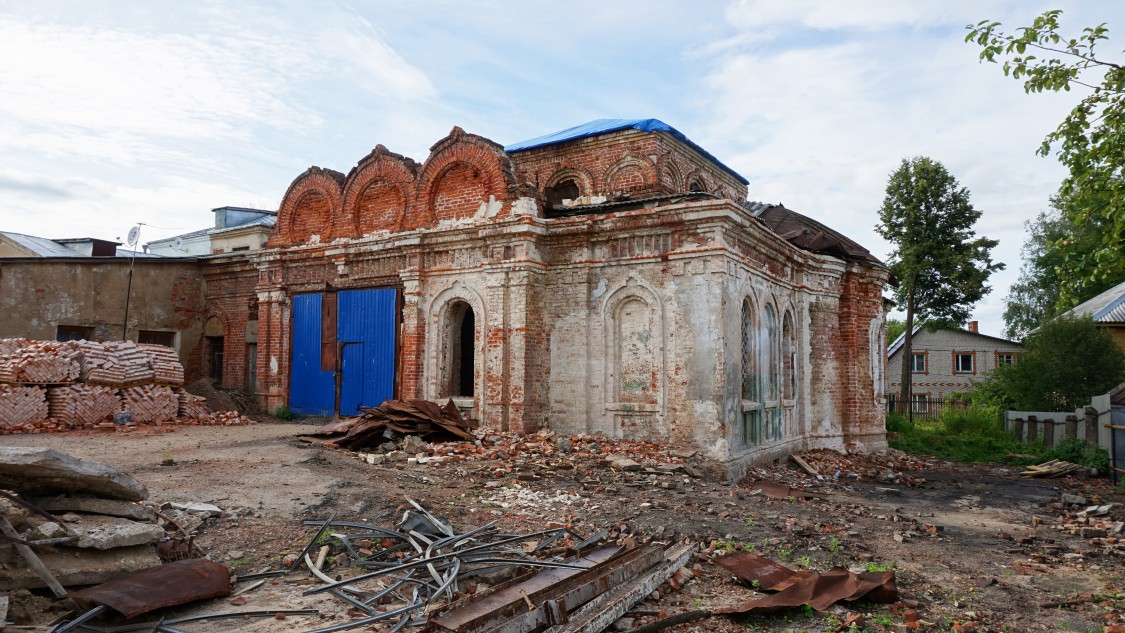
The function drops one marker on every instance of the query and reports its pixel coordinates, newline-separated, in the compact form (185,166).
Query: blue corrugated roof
(1108,307)
(604,126)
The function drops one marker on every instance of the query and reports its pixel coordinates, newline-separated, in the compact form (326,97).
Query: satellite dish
(177,244)
(134,235)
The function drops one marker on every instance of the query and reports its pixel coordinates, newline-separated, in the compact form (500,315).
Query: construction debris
(819,590)
(1051,469)
(414,417)
(168,585)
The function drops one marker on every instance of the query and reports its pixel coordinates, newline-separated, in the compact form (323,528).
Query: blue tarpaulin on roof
(604,126)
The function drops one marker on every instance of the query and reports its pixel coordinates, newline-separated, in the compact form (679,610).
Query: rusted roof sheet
(808,234)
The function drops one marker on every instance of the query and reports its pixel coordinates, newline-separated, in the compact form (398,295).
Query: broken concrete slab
(205,508)
(95,505)
(74,566)
(622,463)
(45,470)
(101,532)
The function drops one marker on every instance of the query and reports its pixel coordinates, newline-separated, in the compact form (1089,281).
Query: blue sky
(115,113)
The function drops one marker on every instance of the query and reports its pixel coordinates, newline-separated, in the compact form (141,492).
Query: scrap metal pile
(424,574)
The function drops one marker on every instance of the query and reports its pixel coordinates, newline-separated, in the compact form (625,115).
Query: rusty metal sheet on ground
(154,588)
(770,575)
(780,491)
(822,590)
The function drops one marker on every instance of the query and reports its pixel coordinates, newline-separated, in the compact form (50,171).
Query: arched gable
(310,207)
(628,175)
(378,193)
(462,172)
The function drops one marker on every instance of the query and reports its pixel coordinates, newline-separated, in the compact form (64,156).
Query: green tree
(895,327)
(1066,362)
(1090,142)
(1036,296)
(941,266)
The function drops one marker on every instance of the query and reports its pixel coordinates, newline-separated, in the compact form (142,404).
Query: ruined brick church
(607,278)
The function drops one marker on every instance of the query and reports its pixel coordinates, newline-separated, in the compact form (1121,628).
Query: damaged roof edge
(808,234)
(598,127)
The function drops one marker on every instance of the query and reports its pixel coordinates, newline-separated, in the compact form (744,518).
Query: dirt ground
(974,548)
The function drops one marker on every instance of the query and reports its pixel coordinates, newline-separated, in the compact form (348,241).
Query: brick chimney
(973,326)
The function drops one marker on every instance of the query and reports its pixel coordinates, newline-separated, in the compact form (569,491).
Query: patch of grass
(975,435)
(878,567)
(284,413)
(1074,450)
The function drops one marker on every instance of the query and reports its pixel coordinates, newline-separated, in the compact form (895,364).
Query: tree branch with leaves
(1090,141)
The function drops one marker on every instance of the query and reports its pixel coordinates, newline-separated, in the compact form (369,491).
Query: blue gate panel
(352,378)
(367,317)
(311,391)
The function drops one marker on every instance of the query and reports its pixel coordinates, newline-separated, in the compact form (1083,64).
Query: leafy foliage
(1052,241)
(1067,361)
(894,329)
(941,265)
(1090,141)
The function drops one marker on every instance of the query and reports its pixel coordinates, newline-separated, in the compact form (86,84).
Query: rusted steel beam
(598,614)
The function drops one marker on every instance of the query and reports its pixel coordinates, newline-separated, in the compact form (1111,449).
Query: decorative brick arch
(628,175)
(580,175)
(671,176)
(311,206)
(462,172)
(699,178)
(378,193)
(438,320)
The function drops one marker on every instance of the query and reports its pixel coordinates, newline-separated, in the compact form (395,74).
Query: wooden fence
(925,407)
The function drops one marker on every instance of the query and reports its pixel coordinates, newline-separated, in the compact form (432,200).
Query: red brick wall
(629,161)
(310,207)
(458,192)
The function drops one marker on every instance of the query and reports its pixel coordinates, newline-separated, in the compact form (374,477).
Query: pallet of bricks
(50,386)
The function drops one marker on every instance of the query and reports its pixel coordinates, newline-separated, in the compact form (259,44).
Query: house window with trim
(918,362)
(964,362)
(1005,358)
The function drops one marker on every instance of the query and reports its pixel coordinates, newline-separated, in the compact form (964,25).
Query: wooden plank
(804,465)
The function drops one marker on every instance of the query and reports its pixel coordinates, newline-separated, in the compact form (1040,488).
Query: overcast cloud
(157,112)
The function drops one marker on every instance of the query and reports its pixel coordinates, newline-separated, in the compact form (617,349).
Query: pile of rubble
(48,386)
(80,522)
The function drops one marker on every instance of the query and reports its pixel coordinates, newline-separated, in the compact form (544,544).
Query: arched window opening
(771,358)
(462,351)
(751,428)
(789,359)
(563,190)
(696,186)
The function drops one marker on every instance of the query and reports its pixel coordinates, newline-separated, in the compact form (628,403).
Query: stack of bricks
(150,403)
(113,377)
(42,362)
(115,364)
(166,367)
(22,405)
(81,405)
(191,407)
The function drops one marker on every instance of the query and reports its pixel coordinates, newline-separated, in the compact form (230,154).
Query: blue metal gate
(366,331)
(361,347)
(312,391)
